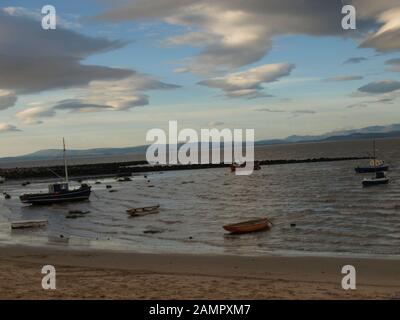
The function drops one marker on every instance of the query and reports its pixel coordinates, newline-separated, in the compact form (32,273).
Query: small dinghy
(137,212)
(379,178)
(248,226)
(28,224)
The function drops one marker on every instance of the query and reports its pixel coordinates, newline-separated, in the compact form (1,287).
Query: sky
(112,70)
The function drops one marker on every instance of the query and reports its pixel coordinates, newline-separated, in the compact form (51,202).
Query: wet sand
(93,274)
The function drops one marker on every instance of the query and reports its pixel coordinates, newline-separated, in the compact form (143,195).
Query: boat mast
(374,153)
(65,162)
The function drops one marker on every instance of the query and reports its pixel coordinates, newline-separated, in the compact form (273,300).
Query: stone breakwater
(128,168)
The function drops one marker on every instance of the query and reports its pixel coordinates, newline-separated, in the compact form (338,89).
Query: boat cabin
(58,187)
(380,175)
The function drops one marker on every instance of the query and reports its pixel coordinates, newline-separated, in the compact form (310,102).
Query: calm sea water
(332,212)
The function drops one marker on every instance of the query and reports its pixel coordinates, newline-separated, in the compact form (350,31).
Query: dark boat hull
(80,194)
(374,182)
(371,169)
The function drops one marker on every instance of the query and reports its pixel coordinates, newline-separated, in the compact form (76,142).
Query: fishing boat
(142,211)
(375,165)
(59,192)
(379,178)
(248,226)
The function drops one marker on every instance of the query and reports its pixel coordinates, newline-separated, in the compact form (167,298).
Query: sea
(316,208)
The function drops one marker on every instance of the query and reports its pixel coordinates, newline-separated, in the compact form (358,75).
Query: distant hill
(372,132)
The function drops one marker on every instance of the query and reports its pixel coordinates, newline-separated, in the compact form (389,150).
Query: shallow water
(331,210)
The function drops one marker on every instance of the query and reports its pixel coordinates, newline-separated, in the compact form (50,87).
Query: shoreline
(105,274)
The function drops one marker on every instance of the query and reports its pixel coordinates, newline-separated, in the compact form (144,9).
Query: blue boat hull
(371,169)
(80,194)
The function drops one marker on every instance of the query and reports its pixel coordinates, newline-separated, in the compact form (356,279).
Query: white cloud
(249,83)
(4,127)
(34,115)
(235,33)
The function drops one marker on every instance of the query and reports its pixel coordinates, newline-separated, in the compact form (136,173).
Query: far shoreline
(96,170)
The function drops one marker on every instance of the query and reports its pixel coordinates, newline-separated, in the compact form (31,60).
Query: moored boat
(375,164)
(142,211)
(58,192)
(379,178)
(23,224)
(248,226)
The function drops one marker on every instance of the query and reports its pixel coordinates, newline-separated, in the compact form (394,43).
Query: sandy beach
(98,274)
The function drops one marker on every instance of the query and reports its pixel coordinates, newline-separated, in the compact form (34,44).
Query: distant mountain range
(372,132)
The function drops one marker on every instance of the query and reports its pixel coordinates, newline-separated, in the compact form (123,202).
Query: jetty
(119,169)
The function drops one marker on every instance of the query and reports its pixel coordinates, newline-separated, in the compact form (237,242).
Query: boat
(2,179)
(234,166)
(142,211)
(248,226)
(23,224)
(375,165)
(379,178)
(58,192)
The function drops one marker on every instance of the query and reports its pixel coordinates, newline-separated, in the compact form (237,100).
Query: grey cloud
(343,78)
(294,112)
(303,112)
(395,61)
(357,105)
(75,105)
(394,64)
(7,99)
(269,110)
(235,33)
(354,60)
(378,87)
(32,60)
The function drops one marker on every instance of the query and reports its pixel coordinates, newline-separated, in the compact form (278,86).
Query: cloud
(394,64)
(4,127)
(294,112)
(7,99)
(120,95)
(235,33)
(343,78)
(32,60)
(248,84)
(354,60)
(71,23)
(303,112)
(387,38)
(379,87)
(357,105)
(35,114)
(216,123)
(268,110)
(76,105)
